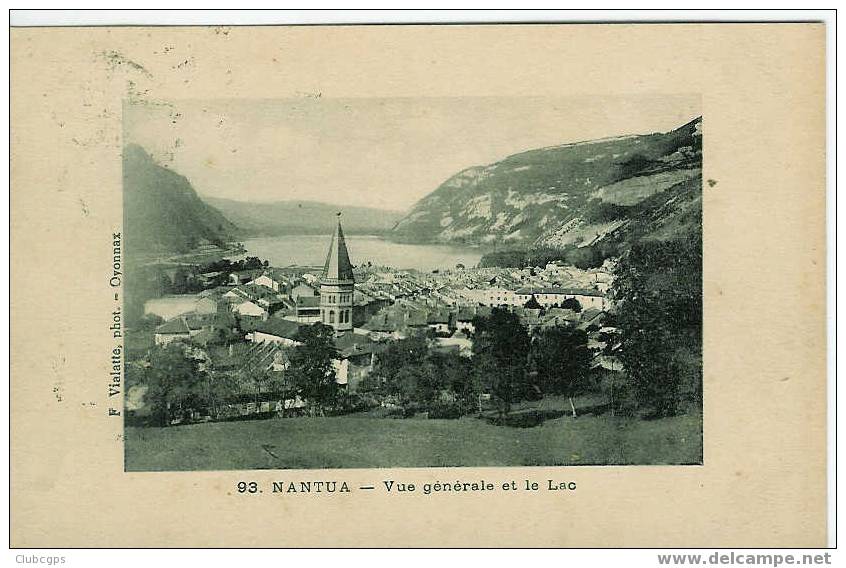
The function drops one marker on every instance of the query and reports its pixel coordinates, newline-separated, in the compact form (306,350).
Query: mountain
(303,217)
(162,212)
(568,196)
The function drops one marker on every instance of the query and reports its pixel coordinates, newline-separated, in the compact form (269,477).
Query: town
(541,309)
(244,323)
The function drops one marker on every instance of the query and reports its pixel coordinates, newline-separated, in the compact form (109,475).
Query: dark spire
(338,267)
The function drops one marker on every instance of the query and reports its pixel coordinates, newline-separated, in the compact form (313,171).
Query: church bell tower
(337,285)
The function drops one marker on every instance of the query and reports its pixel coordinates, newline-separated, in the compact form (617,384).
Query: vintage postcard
(402,277)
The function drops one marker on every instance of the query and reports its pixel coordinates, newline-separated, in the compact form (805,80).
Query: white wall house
(173,330)
(266,337)
(491,296)
(547,297)
(267,282)
(250,309)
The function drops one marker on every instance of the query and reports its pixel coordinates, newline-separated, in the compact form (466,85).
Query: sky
(385,153)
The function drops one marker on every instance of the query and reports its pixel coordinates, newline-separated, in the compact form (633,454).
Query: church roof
(338,267)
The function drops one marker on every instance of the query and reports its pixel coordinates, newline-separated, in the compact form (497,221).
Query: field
(360,441)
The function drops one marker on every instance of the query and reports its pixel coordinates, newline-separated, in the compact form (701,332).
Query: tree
(658,291)
(611,378)
(572,304)
(148,323)
(174,383)
(533,304)
(312,367)
(401,370)
(500,350)
(453,373)
(416,375)
(220,388)
(562,359)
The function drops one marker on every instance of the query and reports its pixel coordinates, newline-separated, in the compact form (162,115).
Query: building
(440,322)
(337,285)
(356,359)
(464,320)
(491,297)
(385,325)
(250,309)
(275,330)
(303,291)
(554,296)
(178,328)
(307,309)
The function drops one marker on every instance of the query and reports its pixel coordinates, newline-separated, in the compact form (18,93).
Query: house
(249,359)
(466,314)
(255,372)
(439,321)
(307,309)
(493,297)
(275,330)
(174,330)
(464,320)
(209,278)
(250,309)
(260,295)
(558,317)
(235,295)
(303,290)
(270,280)
(590,299)
(365,306)
(383,326)
(416,320)
(356,359)
(553,296)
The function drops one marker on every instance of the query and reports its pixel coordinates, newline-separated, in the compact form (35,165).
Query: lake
(311,250)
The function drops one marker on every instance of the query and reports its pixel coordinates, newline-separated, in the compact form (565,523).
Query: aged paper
(80,95)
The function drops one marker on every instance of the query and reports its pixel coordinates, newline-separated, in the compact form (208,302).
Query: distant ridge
(303,217)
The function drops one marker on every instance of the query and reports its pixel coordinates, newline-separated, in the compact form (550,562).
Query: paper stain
(117,60)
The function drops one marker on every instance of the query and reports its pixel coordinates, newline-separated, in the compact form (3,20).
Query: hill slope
(162,212)
(573,195)
(303,217)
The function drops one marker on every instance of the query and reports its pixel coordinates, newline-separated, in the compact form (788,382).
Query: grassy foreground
(364,442)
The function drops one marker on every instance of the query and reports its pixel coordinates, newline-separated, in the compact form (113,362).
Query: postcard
(474,285)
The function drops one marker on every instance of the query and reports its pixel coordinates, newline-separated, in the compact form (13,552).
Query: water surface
(310,250)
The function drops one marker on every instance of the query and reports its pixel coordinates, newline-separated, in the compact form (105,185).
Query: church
(337,285)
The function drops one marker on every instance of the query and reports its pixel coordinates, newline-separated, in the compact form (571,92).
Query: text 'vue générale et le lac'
(399,487)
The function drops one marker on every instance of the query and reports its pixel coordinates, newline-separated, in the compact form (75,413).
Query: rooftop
(338,267)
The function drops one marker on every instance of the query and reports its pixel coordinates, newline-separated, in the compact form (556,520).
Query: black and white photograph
(317,283)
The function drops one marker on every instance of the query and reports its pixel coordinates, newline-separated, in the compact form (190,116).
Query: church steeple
(337,285)
(338,267)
